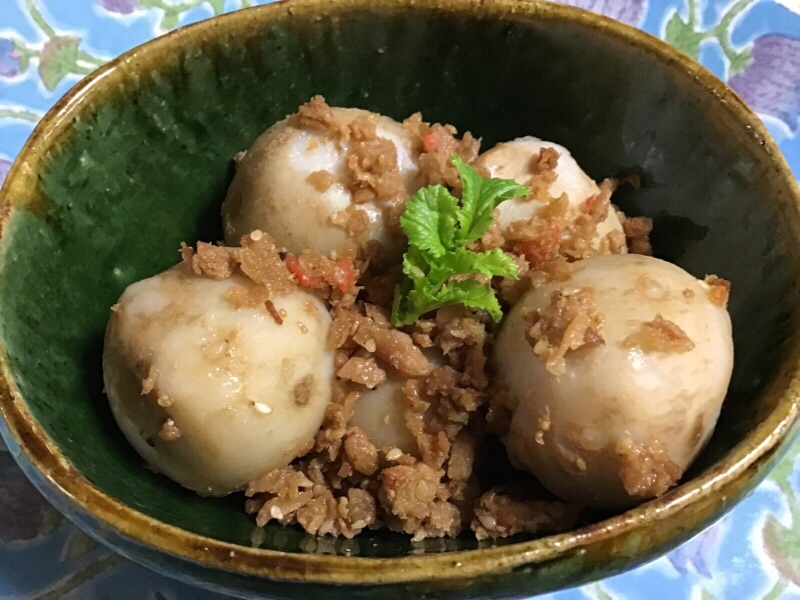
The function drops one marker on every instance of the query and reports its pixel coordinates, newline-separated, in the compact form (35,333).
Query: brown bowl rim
(44,455)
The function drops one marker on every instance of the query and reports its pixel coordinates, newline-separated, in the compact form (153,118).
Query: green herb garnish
(438,229)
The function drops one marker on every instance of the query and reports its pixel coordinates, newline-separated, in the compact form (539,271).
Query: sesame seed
(394,454)
(487,521)
(256,235)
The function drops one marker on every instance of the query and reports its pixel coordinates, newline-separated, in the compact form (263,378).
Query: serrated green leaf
(410,303)
(58,58)
(400,302)
(494,263)
(423,299)
(681,35)
(415,265)
(472,293)
(430,220)
(479,198)
(438,231)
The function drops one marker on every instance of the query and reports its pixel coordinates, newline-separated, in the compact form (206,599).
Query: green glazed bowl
(137,158)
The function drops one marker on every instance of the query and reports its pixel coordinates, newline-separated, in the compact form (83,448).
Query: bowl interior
(146,162)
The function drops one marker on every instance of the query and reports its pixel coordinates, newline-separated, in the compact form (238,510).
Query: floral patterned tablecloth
(47,45)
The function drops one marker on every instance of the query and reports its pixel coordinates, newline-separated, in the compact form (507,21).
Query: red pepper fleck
(343,275)
(303,278)
(429,142)
(590,204)
(538,251)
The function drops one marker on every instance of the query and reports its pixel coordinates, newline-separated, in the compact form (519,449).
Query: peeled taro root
(211,394)
(614,378)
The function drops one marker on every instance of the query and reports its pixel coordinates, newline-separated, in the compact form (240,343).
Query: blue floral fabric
(48,45)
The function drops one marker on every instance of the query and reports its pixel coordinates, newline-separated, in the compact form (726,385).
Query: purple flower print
(24,514)
(770,83)
(697,553)
(5,167)
(121,7)
(9,58)
(627,11)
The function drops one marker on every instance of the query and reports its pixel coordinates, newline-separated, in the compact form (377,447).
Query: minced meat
(567,323)
(434,485)
(646,471)
(659,335)
(437,144)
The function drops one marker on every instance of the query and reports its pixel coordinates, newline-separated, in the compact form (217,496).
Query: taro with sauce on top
(387,303)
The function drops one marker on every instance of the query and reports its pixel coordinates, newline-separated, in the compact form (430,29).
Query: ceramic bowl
(137,157)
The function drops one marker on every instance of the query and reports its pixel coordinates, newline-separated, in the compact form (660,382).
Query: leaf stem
(88,58)
(732,13)
(217,5)
(172,9)
(692,4)
(776,590)
(19,114)
(721,30)
(38,19)
(23,49)
(81,577)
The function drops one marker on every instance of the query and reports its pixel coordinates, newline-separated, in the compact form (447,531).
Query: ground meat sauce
(371,164)
(659,335)
(646,470)
(321,180)
(559,234)
(544,174)
(316,115)
(342,483)
(371,168)
(718,290)
(352,219)
(568,323)
(436,144)
(637,231)
(499,515)
(431,491)
(211,261)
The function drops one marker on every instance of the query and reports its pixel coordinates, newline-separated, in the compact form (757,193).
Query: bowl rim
(26,433)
